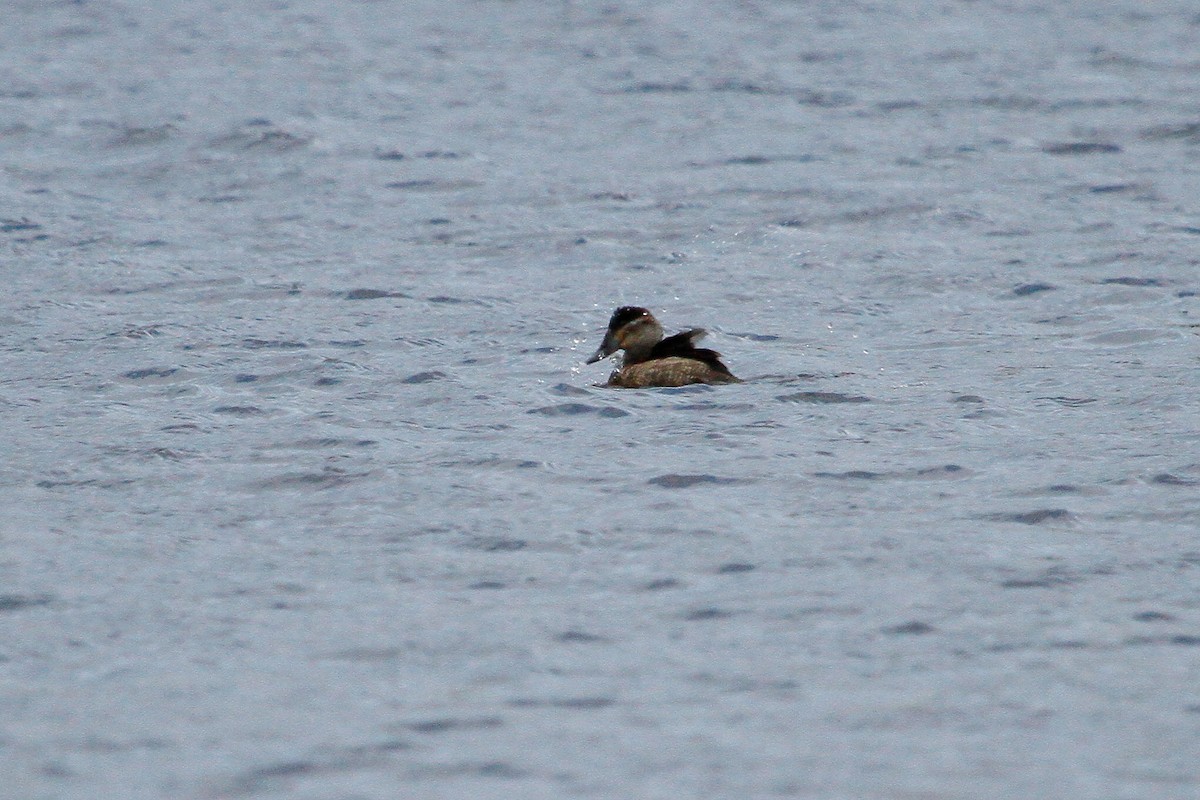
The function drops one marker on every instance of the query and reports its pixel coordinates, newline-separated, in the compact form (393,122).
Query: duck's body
(651,360)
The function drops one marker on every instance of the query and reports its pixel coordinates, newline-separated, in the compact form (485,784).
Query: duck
(650,360)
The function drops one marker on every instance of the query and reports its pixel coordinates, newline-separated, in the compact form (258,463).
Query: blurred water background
(307,492)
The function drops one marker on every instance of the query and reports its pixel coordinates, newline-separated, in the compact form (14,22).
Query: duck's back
(672,371)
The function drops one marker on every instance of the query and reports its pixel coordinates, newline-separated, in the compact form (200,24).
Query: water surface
(308,492)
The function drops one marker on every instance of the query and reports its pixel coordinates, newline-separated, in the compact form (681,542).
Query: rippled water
(309,493)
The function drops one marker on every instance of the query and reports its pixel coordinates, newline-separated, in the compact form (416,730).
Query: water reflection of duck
(651,360)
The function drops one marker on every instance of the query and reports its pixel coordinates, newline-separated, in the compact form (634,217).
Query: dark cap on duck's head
(629,328)
(625,315)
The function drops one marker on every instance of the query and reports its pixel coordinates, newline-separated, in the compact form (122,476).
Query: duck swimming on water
(651,360)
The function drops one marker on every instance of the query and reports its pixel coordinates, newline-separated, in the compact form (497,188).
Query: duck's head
(632,329)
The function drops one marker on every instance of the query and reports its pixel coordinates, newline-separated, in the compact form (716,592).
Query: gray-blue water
(307,492)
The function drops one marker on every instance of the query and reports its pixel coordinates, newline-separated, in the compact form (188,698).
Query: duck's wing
(683,345)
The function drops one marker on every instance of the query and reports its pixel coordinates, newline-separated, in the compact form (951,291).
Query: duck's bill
(606,349)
